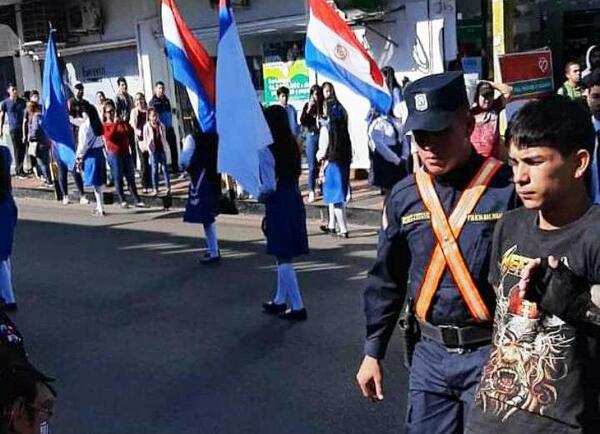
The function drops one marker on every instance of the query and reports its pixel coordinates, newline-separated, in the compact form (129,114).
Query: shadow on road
(142,338)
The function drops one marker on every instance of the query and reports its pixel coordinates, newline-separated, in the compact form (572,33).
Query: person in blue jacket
(199,158)
(8,222)
(285,217)
(450,301)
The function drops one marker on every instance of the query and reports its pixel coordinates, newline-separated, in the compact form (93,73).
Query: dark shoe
(294,315)
(327,229)
(343,235)
(274,308)
(10,307)
(211,260)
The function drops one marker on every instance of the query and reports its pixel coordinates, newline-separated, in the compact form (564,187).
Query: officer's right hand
(370,378)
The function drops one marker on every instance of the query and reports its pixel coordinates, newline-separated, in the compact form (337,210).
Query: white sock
(99,199)
(281,292)
(331,224)
(289,280)
(210,231)
(340,216)
(6,288)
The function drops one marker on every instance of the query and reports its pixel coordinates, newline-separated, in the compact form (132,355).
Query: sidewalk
(364,208)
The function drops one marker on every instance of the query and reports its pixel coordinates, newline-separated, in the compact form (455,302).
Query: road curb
(358,216)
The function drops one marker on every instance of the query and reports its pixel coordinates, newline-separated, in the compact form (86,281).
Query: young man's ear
(582,163)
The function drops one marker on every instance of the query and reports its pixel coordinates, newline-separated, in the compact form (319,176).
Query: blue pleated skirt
(285,222)
(8,222)
(94,168)
(335,186)
(203,200)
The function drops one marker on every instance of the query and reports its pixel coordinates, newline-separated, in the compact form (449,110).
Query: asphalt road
(143,339)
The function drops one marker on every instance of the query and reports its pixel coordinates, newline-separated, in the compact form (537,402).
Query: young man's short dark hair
(568,66)
(121,80)
(556,122)
(159,83)
(283,91)
(35,92)
(592,79)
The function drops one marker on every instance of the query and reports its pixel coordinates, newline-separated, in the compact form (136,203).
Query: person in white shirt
(90,159)
(388,151)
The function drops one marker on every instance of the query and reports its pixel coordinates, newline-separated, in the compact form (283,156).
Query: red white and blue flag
(333,50)
(241,125)
(192,66)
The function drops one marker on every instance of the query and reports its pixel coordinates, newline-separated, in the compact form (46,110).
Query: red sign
(529,73)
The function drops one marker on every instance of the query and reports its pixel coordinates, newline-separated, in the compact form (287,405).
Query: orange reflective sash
(447,250)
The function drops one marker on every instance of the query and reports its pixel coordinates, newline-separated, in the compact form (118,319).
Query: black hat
(433,100)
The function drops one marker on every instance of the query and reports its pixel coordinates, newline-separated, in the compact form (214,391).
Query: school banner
(529,73)
(293,75)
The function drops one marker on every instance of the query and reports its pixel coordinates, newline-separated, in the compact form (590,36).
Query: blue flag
(56,119)
(241,125)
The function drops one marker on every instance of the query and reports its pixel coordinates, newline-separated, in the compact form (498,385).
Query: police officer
(433,254)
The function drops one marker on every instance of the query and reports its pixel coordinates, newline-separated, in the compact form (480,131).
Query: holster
(409,331)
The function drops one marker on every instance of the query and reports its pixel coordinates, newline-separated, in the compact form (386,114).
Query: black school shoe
(208,260)
(326,229)
(294,315)
(273,308)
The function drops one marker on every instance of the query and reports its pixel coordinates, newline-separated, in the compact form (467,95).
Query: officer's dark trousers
(441,388)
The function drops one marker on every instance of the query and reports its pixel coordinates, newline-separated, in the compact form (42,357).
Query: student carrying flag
(194,69)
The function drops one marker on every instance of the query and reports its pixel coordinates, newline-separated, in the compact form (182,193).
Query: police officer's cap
(432,101)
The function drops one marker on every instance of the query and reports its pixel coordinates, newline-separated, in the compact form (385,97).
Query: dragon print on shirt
(529,350)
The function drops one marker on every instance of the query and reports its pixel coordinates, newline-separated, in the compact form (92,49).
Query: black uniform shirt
(406,243)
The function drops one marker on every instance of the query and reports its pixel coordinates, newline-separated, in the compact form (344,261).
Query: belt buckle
(450,337)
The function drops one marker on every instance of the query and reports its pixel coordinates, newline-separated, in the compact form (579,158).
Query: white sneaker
(65,200)
(124,205)
(84,200)
(311,196)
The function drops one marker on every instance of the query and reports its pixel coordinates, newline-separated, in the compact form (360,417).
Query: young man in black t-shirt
(543,373)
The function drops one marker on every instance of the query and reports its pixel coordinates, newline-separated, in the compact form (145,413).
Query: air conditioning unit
(84,16)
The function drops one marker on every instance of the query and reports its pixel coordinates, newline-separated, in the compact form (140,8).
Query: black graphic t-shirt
(543,374)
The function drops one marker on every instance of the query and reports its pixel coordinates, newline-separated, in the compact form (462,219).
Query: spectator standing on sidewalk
(100,100)
(309,119)
(137,120)
(90,155)
(486,110)
(335,153)
(162,105)
(572,87)
(75,106)
(34,96)
(155,140)
(199,158)
(124,104)
(39,143)
(116,137)
(12,110)
(283,96)
(285,217)
(8,221)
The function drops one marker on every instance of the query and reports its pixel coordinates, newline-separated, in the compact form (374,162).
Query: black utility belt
(454,337)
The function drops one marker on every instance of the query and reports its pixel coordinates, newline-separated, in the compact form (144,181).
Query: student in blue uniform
(199,158)
(90,155)
(335,153)
(285,216)
(434,248)
(8,221)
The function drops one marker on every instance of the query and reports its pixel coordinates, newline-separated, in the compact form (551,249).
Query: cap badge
(421,102)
